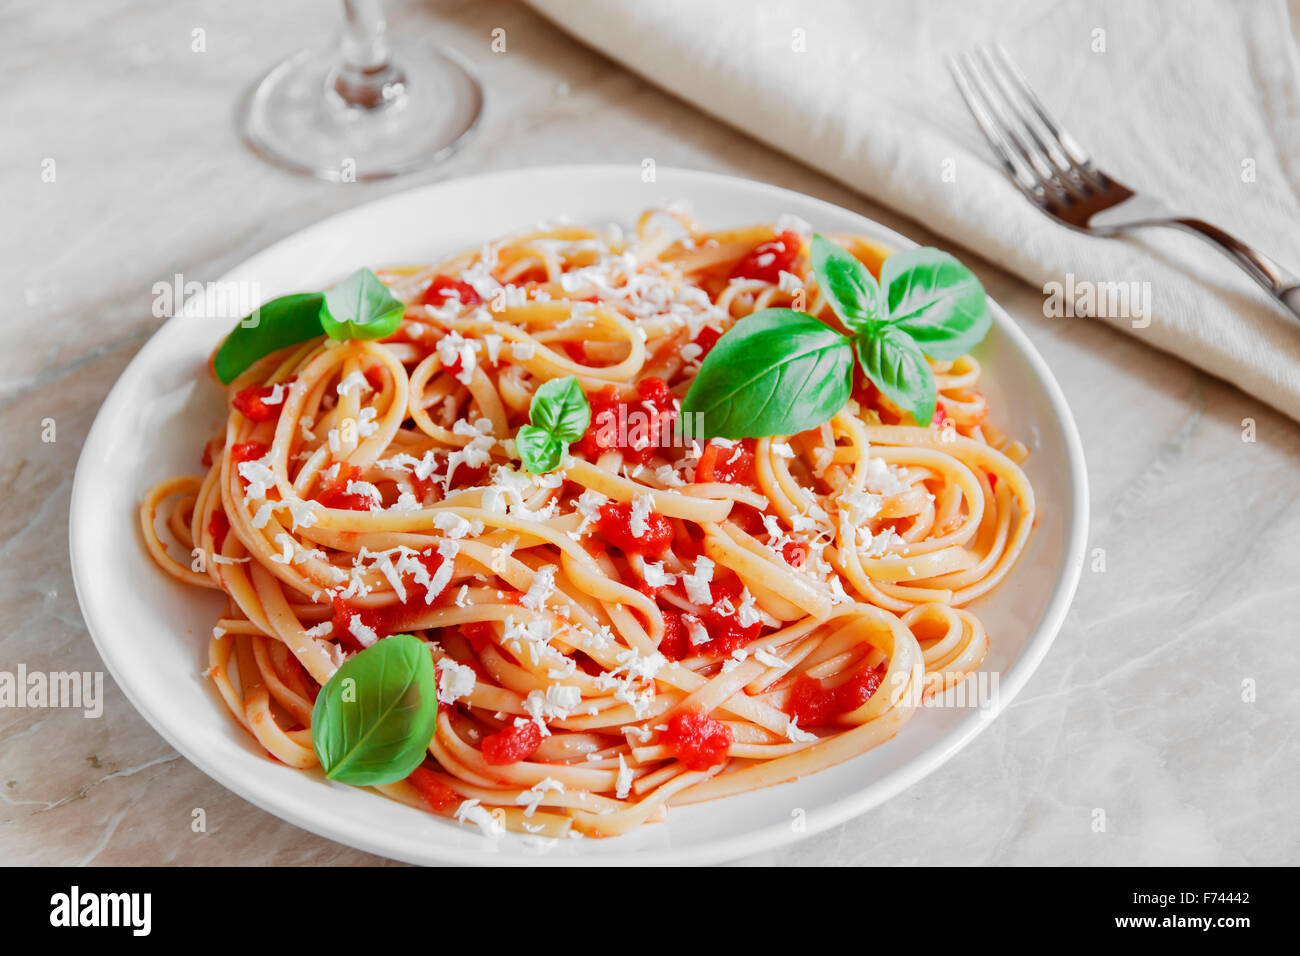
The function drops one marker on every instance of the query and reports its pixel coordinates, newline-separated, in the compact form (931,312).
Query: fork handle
(1281,284)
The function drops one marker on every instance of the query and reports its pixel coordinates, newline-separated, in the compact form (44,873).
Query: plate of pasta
(563,516)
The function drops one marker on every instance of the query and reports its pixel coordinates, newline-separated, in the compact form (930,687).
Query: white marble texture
(1138,710)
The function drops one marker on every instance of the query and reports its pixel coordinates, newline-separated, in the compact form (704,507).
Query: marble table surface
(1167,706)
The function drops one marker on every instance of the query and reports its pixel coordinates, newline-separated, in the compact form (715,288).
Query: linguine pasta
(661,620)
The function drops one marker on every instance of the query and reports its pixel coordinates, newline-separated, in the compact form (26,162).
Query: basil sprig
(276,325)
(359,307)
(776,372)
(559,414)
(374,718)
(779,372)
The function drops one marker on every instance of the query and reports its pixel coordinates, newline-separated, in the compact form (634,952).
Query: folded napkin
(1196,103)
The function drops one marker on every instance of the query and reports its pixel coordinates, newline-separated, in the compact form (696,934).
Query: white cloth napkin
(1194,102)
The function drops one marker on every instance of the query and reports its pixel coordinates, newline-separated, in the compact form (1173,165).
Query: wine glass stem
(366,78)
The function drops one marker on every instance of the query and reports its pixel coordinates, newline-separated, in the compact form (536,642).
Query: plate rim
(773,836)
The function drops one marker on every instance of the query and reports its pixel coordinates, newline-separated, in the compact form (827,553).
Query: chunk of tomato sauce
(512,743)
(431,487)
(707,338)
(767,260)
(696,739)
(218,527)
(726,633)
(615,523)
(443,288)
(676,642)
(335,493)
(390,618)
(812,704)
(633,428)
(254,402)
(247,451)
(435,793)
(731,464)
(479,634)
(795,554)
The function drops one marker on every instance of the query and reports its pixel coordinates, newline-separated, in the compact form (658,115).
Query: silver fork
(1058,176)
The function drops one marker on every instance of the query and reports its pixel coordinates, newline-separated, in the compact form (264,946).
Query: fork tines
(1039,156)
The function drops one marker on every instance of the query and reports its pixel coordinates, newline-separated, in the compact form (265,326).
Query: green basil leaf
(776,372)
(893,361)
(540,451)
(374,718)
(560,407)
(848,286)
(936,300)
(275,325)
(360,307)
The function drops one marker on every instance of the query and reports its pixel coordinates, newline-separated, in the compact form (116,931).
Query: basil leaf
(936,300)
(776,372)
(374,718)
(275,325)
(360,307)
(849,288)
(560,407)
(540,451)
(893,361)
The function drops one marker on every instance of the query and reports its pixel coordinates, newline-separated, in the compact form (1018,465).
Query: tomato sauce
(252,402)
(726,633)
(795,554)
(730,464)
(443,288)
(707,338)
(676,643)
(479,634)
(391,618)
(768,260)
(697,740)
(218,527)
(615,523)
(336,495)
(435,793)
(512,743)
(247,451)
(813,705)
(635,428)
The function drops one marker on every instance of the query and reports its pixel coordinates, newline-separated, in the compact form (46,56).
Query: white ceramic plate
(152,632)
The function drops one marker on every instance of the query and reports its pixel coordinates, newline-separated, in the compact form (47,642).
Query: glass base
(295,118)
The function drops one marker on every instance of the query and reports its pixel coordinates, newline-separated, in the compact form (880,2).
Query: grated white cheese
(286,549)
(542,586)
(695,630)
(657,577)
(623,784)
(355,382)
(697,583)
(455,681)
(471,812)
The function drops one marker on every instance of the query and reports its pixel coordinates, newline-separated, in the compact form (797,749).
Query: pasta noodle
(808,593)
